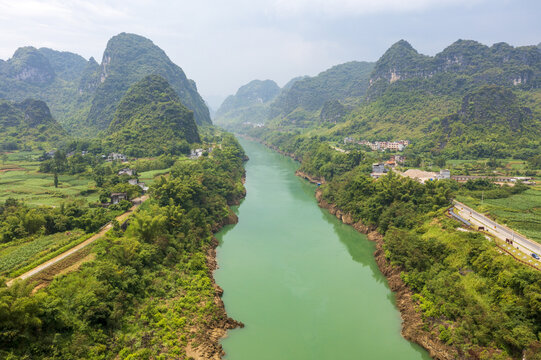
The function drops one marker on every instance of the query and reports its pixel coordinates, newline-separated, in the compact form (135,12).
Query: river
(305,285)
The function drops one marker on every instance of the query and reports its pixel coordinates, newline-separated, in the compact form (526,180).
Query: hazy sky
(225,44)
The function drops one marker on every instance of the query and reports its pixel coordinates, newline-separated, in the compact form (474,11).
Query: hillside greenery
(150,120)
(28,125)
(50,76)
(300,103)
(83,95)
(126,60)
(469,101)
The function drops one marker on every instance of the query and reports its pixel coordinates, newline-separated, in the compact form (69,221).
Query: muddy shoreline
(412,323)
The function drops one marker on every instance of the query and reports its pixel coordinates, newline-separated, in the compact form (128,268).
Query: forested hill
(490,122)
(250,103)
(413,95)
(463,64)
(151,120)
(28,124)
(126,60)
(301,102)
(82,94)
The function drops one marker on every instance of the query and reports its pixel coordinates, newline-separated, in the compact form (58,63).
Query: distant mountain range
(468,94)
(83,95)
(301,100)
(249,104)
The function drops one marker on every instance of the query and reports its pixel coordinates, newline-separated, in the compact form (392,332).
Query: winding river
(305,285)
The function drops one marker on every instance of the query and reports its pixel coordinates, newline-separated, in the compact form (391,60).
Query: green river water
(305,285)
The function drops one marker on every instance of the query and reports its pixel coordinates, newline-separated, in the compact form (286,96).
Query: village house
(140,184)
(117,157)
(399,159)
(196,153)
(143,186)
(444,174)
(118,197)
(126,171)
(378,170)
(380,145)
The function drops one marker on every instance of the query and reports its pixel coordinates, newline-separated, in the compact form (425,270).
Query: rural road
(520,242)
(73,250)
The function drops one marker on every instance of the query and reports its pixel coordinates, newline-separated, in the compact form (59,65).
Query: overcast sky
(225,44)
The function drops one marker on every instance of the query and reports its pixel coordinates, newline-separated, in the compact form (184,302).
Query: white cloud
(224,44)
(287,8)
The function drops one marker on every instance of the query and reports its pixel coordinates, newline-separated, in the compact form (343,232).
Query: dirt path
(12,169)
(73,250)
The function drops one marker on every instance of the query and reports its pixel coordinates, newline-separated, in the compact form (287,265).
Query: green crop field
(26,251)
(148,177)
(37,189)
(521,212)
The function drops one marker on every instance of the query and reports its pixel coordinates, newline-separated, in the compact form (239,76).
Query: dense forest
(28,124)
(149,290)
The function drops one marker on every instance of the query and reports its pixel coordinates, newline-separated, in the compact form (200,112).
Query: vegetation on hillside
(28,125)
(300,104)
(150,120)
(126,60)
(82,94)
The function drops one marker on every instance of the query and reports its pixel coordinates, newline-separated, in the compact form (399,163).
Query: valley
(134,226)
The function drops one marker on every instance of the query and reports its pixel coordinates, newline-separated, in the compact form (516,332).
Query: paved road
(520,242)
(73,250)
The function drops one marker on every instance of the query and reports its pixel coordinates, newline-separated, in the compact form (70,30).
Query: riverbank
(205,344)
(412,322)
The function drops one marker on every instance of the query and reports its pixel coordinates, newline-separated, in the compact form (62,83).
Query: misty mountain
(82,94)
(301,101)
(249,104)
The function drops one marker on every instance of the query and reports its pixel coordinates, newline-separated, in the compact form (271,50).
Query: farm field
(25,183)
(25,251)
(148,177)
(521,212)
